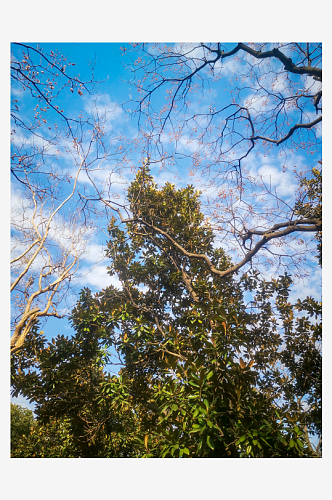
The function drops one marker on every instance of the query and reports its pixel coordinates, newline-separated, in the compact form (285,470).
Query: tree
(310,202)
(64,378)
(51,148)
(21,421)
(275,101)
(39,272)
(202,374)
(29,439)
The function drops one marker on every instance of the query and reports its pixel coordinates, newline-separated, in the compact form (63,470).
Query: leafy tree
(30,439)
(21,421)
(201,374)
(309,203)
(289,359)
(64,378)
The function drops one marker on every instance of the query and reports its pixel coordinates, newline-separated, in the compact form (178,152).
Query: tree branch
(289,133)
(290,227)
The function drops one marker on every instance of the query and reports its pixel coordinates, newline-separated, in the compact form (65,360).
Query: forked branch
(277,231)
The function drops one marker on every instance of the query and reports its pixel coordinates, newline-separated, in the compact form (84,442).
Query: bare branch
(290,132)
(267,236)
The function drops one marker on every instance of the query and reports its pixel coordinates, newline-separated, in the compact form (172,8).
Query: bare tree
(39,272)
(275,102)
(276,108)
(54,154)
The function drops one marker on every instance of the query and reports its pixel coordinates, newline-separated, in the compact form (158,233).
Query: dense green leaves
(21,422)
(31,439)
(310,202)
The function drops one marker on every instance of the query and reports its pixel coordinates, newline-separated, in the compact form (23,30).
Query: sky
(114,88)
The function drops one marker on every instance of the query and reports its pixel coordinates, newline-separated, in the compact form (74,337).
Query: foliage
(310,201)
(21,421)
(290,357)
(30,439)
(202,375)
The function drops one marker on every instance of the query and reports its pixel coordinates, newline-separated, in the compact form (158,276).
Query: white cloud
(310,117)
(279,83)
(228,67)
(281,180)
(94,253)
(308,287)
(312,85)
(63,229)
(16,91)
(276,171)
(102,107)
(187,144)
(98,278)
(193,51)
(19,139)
(257,102)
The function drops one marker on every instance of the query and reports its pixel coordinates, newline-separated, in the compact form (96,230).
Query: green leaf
(210,442)
(207,404)
(262,439)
